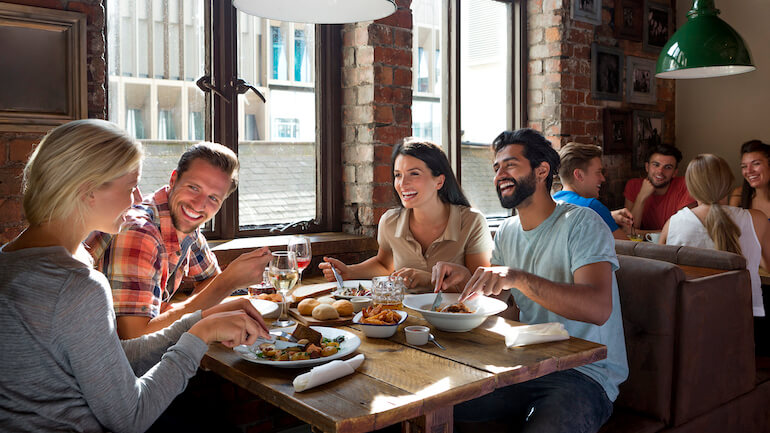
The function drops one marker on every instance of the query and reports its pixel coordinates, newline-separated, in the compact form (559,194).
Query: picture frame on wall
(648,127)
(44,85)
(629,19)
(641,87)
(618,130)
(589,11)
(606,73)
(658,25)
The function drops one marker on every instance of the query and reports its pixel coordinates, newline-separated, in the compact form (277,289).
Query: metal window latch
(242,87)
(204,83)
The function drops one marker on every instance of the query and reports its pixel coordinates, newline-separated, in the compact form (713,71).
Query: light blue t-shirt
(596,205)
(570,238)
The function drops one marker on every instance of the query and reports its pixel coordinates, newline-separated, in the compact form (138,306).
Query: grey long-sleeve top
(62,366)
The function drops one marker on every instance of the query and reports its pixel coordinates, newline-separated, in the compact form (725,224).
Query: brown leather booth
(689,342)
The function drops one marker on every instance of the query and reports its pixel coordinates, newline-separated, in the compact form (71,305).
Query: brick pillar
(376,114)
(15,147)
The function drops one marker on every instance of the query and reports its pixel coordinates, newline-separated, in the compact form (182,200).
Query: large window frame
(450,68)
(224,121)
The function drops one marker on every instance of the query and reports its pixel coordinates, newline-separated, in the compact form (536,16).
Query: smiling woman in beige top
(434,222)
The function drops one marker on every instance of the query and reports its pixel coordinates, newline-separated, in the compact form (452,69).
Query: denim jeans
(564,401)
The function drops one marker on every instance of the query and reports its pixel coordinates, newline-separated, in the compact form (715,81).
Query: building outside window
(480,58)
(157,52)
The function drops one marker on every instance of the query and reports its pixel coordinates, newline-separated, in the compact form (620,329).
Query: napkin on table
(327,372)
(534,334)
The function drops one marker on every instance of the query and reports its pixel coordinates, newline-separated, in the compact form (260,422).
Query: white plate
(352,284)
(347,347)
(268,309)
(482,307)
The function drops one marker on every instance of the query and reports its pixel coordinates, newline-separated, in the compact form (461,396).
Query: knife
(437,301)
(339,279)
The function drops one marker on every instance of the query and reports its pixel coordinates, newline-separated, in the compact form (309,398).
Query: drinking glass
(283,274)
(300,246)
(388,292)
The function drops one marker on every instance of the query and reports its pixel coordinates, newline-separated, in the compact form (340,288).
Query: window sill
(348,248)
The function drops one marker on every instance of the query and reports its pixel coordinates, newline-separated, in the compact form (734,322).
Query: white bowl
(379,331)
(482,307)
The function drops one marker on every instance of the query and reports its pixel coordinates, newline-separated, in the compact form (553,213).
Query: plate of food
(354,289)
(323,345)
(454,316)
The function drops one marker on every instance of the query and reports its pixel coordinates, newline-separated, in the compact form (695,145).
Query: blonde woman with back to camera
(64,368)
(714,225)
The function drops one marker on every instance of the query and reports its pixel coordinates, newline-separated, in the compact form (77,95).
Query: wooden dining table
(399,383)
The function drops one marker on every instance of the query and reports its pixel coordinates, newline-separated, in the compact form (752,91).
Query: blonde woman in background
(714,225)
(64,368)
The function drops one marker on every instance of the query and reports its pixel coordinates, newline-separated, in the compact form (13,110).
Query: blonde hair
(710,180)
(576,155)
(74,159)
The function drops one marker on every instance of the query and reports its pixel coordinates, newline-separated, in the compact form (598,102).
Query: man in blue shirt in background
(582,174)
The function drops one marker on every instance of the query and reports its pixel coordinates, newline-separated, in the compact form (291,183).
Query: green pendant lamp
(704,47)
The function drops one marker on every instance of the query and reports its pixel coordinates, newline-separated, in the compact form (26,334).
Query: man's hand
(231,328)
(414,278)
(489,281)
(646,190)
(623,217)
(247,268)
(326,267)
(241,304)
(449,277)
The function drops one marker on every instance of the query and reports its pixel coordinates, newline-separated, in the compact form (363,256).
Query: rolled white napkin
(327,372)
(534,334)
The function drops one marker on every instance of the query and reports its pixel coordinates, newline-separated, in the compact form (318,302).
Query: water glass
(388,291)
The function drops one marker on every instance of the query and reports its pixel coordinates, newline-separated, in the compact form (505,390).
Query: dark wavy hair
(536,149)
(747,191)
(437,162)
(666,150)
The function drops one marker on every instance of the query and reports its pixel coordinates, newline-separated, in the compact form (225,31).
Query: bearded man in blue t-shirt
(558,261)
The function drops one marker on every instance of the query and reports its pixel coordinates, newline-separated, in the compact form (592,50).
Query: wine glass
(283,274)
(300,246)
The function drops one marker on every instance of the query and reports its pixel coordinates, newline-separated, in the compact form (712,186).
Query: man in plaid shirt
(161,244)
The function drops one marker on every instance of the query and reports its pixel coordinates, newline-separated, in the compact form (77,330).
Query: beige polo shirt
(466,233)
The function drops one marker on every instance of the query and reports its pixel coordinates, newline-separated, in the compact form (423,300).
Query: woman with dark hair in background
(433,223)
(755,168)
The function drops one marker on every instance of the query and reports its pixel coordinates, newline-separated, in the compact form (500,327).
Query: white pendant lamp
(318,11)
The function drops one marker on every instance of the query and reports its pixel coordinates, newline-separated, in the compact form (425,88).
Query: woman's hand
(414,278)
(326,267)
(240,304)
(231,328)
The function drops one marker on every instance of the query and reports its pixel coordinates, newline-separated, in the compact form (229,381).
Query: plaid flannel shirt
(139,260)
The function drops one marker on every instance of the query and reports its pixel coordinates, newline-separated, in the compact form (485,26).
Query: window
(157,53)
(467,108)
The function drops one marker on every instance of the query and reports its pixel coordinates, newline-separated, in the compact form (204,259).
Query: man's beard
(175,223)
(663,185)
(524,188)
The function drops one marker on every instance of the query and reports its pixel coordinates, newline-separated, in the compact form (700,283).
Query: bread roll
(325,312)
(344,307)
(326,300)
(305,306)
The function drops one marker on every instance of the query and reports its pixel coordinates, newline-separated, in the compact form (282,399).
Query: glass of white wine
(283,274)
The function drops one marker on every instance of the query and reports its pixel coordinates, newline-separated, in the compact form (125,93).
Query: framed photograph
(589,11)
(42,68)
(640,81)
(629,19)
(606,73)
(648,131)
(617,131)
(658,25)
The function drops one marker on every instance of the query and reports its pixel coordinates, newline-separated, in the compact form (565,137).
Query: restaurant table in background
(402,383)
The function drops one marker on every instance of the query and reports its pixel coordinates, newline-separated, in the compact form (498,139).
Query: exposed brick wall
(559,85)
(15,147)
(376,113)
